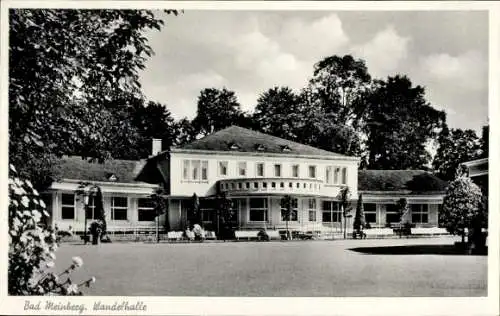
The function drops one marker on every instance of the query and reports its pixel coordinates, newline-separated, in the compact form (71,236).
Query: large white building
(255,171)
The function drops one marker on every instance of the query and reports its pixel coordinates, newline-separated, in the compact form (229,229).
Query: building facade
(126,201)
(255,171)
(382,189)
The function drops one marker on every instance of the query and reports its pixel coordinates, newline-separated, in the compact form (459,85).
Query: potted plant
(96,230)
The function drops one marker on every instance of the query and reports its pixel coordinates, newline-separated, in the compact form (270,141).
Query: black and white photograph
(268,151)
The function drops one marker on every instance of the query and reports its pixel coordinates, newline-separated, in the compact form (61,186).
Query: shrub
(32,247)
(463,207)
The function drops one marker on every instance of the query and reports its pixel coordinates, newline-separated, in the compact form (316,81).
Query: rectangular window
(90,212)
(344,175)
(242,168)
(392,215)
(185,170)
(336,175)
(195,168)
(328,174)
(223,168)
(260,169)
(419,213)
(204,170)
(295,171)
(277,170)
(312,171)
(68,206)
(119,208)
(145,210)
(207,209)
(311,207)
(293,212)
(331,212)
(370,210)
(258,210)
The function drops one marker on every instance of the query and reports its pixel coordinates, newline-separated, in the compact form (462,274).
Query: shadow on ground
(417,250)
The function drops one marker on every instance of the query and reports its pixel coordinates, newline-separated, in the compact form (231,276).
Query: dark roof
(239,139)
(400,180)
(77,168)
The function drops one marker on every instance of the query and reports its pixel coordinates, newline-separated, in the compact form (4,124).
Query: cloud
(467,71)
(384,52)
(316,39)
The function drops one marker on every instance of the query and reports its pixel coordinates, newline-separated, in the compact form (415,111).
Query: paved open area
(413,267)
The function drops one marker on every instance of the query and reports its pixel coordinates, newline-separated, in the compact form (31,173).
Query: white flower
(77,261)
(16,223)
(25,201)
(72,288)
(50,264)
(42,204)
(37,215)
(35,192)
(52,256)
(12,168)
(29,183)
(92,280)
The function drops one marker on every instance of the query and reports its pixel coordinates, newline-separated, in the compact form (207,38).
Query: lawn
(294,268)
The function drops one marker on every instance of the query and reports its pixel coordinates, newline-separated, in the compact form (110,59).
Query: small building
(381,190)
(478,172)
(126,201)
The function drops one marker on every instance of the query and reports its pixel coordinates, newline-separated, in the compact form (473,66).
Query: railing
(272,185)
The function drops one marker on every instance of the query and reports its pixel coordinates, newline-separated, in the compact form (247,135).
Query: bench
(273,234)
(246,234)
(378,232)
(174,236)
(429,231)
(210,235)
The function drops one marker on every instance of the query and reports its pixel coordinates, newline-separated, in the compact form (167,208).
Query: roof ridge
(236,131)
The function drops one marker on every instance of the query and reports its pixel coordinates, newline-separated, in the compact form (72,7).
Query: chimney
(156,147)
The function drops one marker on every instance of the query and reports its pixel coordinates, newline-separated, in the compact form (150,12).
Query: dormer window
(260,147)
(112,177)
(234,146)
(286,149)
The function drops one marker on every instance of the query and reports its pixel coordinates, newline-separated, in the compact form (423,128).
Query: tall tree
(152,121)
(67,69)
(217,109)
(185,132)
(339,87)
(279,112)
(399,125)
(455,146)
(338,84)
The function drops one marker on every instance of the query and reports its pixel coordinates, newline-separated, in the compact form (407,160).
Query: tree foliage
(463,206)
(217,109)
(71,74)
(455,146)
(288,210)
(279,112)
(359,217)
(400,124)
(152,121)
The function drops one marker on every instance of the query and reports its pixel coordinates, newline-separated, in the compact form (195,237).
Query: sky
(251,51)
